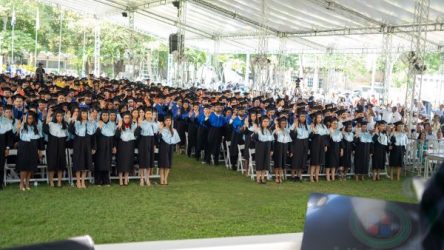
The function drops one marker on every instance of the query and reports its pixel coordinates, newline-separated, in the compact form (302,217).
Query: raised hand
(100,124)
(119,124)
(49,116)
(19,124)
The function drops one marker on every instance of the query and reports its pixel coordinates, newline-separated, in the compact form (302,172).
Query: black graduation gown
(27,155)
(299,150)
(82,150)
(249,143)
(192,134)
(396,158)
(104,152)
(362,156)
(236,140)
(317,149)
(347,149)
(213,144)
(379,154)
(182,128)
(280,153)
(202,136)
(333,154)
(125,153)
(145,146)
(262,155)
(55,151)
(165,154)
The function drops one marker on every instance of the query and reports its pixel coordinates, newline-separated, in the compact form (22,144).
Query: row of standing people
(336,145)
(94,142)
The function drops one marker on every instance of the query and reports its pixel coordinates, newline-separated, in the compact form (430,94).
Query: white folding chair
(9,173)
(251,164)
(227,158)
(186,142)
(240,158)
(156,165)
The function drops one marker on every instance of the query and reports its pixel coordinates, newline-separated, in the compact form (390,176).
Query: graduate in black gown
(299,146)
(347,147)
(28,152)
(202,132)
(193,126)
(251,125)
(168,138)
(380,149)
(106,147)
(83,145)
(334,150)
(237,123)
(282,139)
(147,129)
(363,144)
(217,123)
(56,128)
(398,147)
(317,145)
(182,121)
(263,139)
(6,138)
(126,143)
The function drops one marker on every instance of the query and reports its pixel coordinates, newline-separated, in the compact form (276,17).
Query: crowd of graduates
(100,118)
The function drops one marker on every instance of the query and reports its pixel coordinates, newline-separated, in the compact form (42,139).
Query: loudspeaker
(176,43)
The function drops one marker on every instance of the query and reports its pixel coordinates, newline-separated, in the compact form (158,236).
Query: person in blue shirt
(318,132)
(347,147)
(193,126)
(56,129)
(7,130)
(126,140)
(263,138)
(398,147)
(83,145)
(299,146)
(19,107)
(363,142)
(28,152)
(334,150)
(202,133)
(282,139)
(105,148)
(181,121)
(380,149)
(169,138)
(217,121)
(146,131)
(238,127)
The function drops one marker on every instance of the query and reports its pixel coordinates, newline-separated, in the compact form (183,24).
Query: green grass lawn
(200,202)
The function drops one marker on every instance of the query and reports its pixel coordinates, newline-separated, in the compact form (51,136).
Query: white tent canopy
(308,26)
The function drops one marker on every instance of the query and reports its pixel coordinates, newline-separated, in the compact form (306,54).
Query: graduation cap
(282,119)
(347,123)
(301,111)
(381,122)
(18,96)
(8,107)
(399,123)
(340,112)
(315,113)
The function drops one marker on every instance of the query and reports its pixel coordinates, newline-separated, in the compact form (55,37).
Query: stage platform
(265,242)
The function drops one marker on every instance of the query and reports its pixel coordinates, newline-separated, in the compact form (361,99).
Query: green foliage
(200,202)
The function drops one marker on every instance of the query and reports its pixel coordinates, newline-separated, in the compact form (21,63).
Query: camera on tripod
(298,82)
